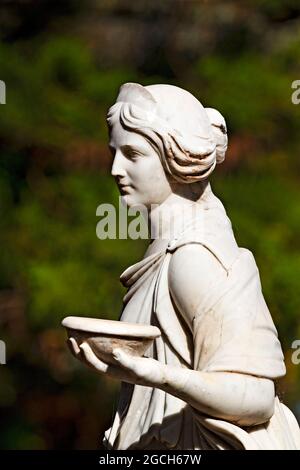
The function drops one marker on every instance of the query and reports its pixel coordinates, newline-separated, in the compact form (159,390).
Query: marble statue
(208,381)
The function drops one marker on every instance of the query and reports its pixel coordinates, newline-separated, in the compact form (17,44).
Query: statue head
(180,140)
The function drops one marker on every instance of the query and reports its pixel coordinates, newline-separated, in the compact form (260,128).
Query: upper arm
(193,273)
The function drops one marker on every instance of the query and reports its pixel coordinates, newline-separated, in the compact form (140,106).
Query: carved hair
(188,157)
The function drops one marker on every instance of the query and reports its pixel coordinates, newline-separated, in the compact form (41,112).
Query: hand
(136,370)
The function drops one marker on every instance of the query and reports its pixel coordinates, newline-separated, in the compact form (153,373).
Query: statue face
(137,168)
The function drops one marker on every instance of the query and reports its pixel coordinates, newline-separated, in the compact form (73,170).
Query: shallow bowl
(104,336)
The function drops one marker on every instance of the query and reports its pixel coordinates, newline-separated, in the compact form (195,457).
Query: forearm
(243,399)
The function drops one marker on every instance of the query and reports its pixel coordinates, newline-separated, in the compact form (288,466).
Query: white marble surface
(208,380)
(105,336)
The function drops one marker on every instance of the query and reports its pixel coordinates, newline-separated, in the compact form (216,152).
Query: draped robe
(232,331)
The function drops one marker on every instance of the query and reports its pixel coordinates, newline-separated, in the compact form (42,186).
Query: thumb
(122,358)
(127,361)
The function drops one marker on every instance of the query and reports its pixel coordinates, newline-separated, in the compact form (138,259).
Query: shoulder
(194,262)
(193,271)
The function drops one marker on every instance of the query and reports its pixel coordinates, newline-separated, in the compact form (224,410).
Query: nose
(118,168)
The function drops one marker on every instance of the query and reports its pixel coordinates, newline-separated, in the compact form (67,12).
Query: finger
(146,371)
(122,358)
(127,361)
(91,359)
(73,346)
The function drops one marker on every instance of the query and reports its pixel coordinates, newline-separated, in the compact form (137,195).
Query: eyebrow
(129,147)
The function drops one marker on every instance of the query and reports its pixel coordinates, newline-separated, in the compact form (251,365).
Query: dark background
(63,62)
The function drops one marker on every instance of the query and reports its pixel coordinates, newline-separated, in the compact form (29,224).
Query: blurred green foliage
(54,172)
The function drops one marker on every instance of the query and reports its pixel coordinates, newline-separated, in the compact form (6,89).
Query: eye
(132,154)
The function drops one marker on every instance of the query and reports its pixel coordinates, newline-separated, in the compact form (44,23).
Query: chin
(129,201)
(124,200)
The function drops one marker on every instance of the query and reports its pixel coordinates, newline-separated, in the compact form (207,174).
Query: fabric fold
(233,331)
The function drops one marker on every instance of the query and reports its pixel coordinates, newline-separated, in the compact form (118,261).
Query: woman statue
(208,381)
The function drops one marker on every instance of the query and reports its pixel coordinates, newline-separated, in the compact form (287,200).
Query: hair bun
(219,131)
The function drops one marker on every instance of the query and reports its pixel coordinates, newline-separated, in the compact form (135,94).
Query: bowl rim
(111,327)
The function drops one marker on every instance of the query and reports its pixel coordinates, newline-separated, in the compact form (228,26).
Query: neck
(170,218)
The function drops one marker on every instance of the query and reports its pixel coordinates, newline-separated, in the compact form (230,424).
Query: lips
(124,188)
